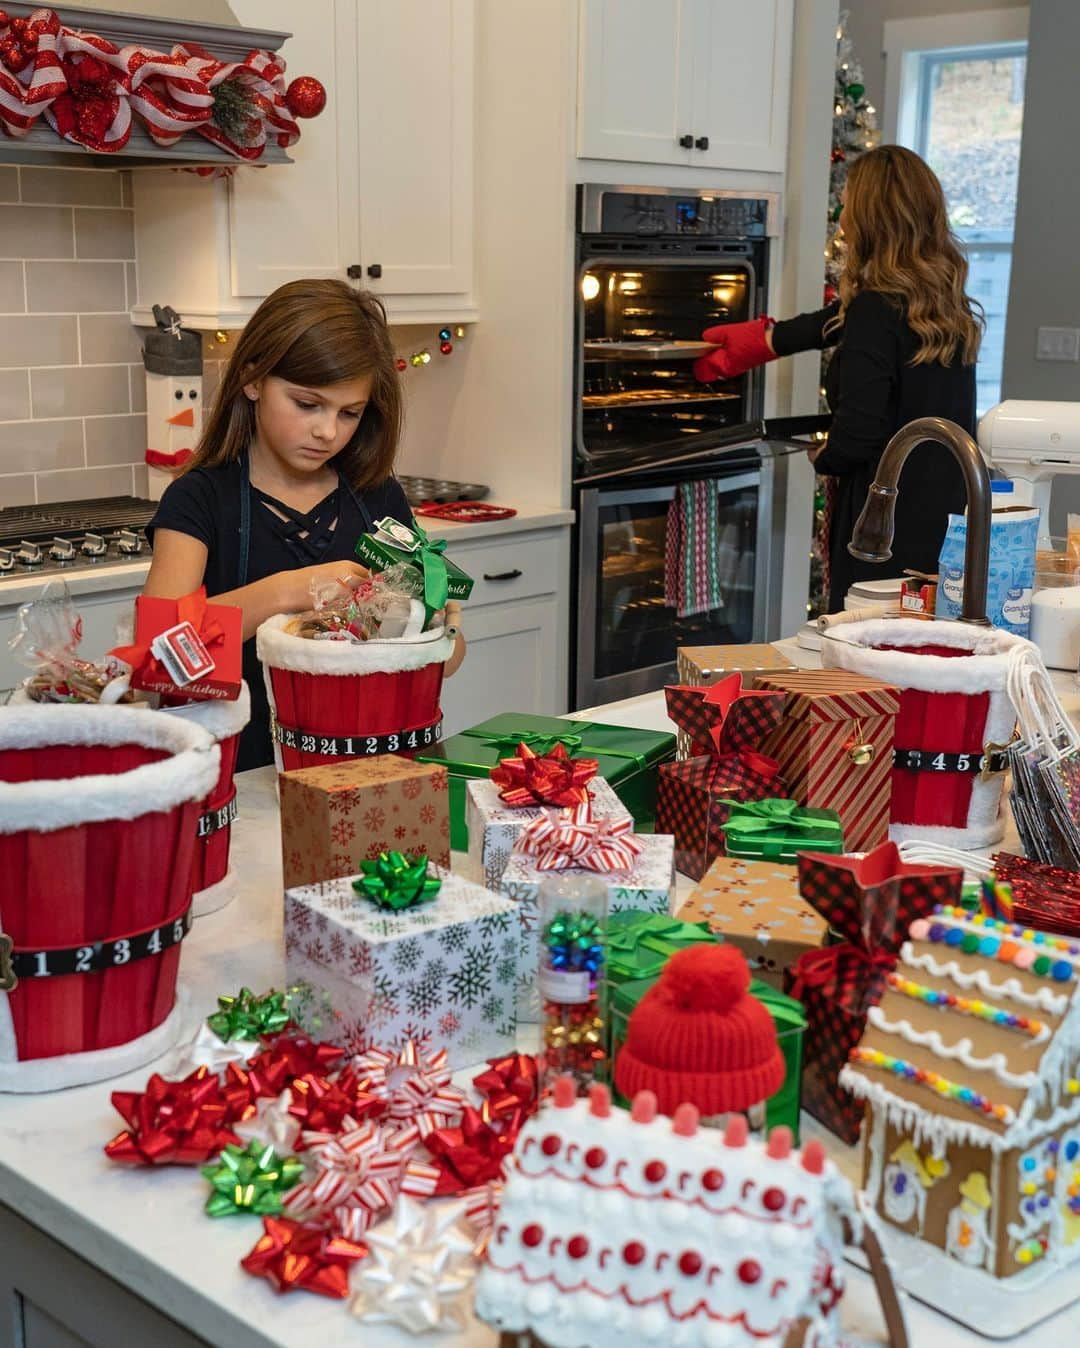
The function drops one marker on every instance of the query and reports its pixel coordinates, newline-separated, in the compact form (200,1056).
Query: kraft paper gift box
(646,887)
(777,830)
(756,906)
(494,826)
(336,816)
(834,745)
(443,972)
(626,758)
(702,666)
(788,1017)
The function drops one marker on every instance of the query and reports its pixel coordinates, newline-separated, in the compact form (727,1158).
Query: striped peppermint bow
(415,1087)
(573,838)
(31,76)
(357,1178)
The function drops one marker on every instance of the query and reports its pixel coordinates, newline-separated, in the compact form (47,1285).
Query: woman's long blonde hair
(898,242)
(313,333)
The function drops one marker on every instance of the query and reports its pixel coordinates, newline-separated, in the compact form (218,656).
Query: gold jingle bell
(859,751)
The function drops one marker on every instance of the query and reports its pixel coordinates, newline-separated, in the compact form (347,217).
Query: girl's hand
(294,591)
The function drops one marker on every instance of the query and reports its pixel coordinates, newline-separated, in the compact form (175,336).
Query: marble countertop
(146,1228)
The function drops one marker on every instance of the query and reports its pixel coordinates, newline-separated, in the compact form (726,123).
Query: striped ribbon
(168,93)
(263,74)
(97,79)
(26,92)
(574,838)
(356,1180)
(415,1086)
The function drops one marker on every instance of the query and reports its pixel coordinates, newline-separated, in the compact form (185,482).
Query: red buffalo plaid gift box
(693,797)
(869,902)
(834,746)
(186,649)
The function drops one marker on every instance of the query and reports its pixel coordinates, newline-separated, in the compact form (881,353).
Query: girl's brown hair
(898,242)
(312,333)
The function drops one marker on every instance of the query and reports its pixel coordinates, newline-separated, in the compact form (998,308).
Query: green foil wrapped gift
(627,759)
(438,579)
(788,1017)
(777,830)
(640,944)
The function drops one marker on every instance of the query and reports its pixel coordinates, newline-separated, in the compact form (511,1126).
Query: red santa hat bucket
(954,720)
(213,882)
(335,700)
(98,811)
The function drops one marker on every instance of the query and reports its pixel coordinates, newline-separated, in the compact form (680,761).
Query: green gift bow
(536,740)
(250,1179)
(396,881)
(428,553)
(749,818)
(635,944)
(246,1016)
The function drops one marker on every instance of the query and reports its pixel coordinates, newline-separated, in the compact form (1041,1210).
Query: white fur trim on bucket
(278,649)
(853,646)
(220,719)
(188,774)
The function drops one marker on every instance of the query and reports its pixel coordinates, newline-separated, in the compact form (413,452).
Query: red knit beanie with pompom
(699,1037)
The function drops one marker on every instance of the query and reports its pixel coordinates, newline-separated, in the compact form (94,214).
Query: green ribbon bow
(640,944)
(397,882)
(750,818)
(436,581)
(250,1179)
(246,1016)
(536,740)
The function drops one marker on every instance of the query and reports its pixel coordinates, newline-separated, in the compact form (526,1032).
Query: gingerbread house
(635,1228)
(970,1068)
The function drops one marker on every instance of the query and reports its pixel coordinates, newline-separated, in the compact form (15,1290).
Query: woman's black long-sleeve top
(873,389)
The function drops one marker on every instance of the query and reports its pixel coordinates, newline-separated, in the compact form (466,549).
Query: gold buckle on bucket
(989,749)
(8,981)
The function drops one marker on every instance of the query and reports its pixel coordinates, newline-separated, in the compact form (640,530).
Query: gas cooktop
(42,539)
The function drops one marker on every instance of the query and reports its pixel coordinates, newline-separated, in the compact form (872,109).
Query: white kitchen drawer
(507,569)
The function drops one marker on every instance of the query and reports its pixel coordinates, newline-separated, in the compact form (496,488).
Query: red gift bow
(509,1084)
(574,837)
(94,110)
(463,1158)
(304,1256)
(31,76)
(553,778)
(319,1104)
(172,1122)
(821,968)
(191,608)
(288,1056)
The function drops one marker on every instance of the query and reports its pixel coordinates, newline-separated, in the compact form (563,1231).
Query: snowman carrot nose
(184,418)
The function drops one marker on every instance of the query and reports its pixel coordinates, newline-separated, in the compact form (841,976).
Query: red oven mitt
(739,347)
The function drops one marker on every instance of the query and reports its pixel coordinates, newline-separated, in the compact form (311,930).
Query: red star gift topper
(725,717)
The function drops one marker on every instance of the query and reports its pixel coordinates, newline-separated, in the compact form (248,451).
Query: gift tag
(182,652)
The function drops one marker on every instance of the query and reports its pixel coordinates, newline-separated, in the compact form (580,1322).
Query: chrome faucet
(871,539)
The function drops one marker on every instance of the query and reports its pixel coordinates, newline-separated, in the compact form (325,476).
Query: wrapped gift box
(626,758)
(756,906)
(777,830)
(647,888)
(640,944)
(788,1017)
(443,973)
(702,666)
(494,827)
(834,745)
(186,649)
(437,578)
(334,817)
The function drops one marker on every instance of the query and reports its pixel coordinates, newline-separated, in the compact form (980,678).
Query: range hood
(153,24)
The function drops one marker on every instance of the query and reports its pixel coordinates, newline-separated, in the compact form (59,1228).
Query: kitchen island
(98,1254)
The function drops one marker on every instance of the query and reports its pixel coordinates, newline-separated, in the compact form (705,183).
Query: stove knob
(93,545)
(29,554)
(7,560)
(129,543)
(62,550)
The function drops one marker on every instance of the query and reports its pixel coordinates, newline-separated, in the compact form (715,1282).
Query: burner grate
(40,522)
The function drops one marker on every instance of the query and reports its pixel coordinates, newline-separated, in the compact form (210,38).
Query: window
(962,109)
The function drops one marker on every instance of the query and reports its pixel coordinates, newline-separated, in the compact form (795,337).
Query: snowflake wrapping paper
(443,973)
(756,906)
(335,816)
(648,887)
(494,826)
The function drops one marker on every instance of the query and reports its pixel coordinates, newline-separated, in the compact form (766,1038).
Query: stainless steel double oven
(655,447)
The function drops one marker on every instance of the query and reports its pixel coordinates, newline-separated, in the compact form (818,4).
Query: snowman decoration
(966,1236)
(174,368)
(908,1178)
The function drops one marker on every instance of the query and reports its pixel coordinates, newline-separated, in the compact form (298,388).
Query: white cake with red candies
(621,1229)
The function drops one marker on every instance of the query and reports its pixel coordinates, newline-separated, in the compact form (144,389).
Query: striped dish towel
(692,549)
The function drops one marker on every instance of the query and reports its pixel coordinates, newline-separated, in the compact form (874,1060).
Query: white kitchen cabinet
(703,83)
(380,190)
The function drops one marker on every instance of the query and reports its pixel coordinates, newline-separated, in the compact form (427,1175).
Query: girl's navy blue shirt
(205,504)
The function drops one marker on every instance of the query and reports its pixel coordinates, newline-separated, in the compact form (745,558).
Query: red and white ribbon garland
(31,75)
(574,838)
(168,93)
(95,109)
(263,74)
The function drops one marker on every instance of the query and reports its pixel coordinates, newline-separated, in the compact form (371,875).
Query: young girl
(907,337)
(295,462)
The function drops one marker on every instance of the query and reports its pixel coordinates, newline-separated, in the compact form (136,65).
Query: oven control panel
(650,215)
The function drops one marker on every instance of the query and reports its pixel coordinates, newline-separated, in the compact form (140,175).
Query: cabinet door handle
(375,270)
(702,142)
(687,142)
(503,575)
(354,272)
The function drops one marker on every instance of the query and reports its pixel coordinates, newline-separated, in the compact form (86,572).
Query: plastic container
(572,917)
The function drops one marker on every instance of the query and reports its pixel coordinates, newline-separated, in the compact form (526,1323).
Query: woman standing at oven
(906,337)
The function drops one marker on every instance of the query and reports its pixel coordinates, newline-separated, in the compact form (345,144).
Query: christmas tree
(854,130)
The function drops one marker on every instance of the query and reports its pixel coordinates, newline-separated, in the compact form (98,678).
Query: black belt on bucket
(213,821)
(971,764)
(92,958)
(357,746)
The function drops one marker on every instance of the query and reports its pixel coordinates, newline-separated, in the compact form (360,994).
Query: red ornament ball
(305,96)
(838,156)
(831,293)
(446,347)
(401,364)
